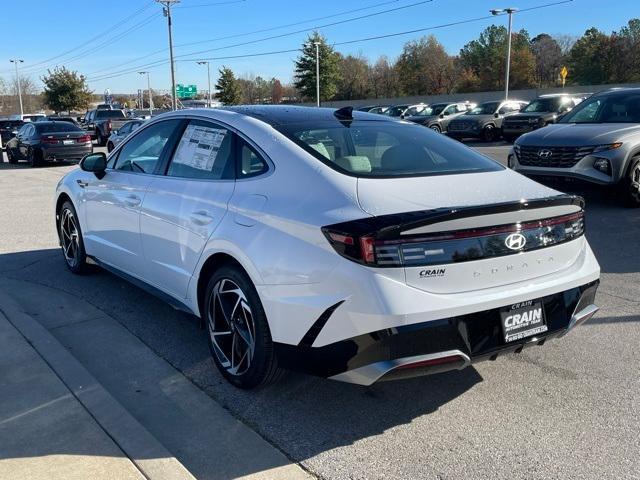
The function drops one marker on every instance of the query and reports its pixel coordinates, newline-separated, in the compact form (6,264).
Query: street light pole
(149,90)
(317,44)
(510,12)
(16,61)
(204,62)
(167,13)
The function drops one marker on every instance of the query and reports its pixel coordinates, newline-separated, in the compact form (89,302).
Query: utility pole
(16,61)
(149,90)
(317,44)
(205,62)
(509,11)
(166,10)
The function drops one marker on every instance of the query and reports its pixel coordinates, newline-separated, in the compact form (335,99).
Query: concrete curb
(145,451)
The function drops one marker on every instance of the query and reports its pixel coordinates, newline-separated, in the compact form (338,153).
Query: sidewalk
(46,433)
(132,414)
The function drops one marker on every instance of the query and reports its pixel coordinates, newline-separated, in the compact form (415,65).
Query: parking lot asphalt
(567,410)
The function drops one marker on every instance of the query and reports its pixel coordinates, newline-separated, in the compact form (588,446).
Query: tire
(435,128)
(631,184)
(489,134)
(34,156)
(100,139)
(10,157)
(242,349)
(110,147)
(71,239)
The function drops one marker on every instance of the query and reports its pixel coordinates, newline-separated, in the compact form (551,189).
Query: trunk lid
(457,233)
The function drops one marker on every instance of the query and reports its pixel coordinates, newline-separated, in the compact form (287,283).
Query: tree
(590,59)
(65,90)
(384,79)
(548,59)
(627,45)
(425,68)
(305,69)
(354,78)
(277,92)
(229,92)
(486,58)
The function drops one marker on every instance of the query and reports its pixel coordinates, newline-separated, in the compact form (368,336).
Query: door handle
(132,200)
(201,218)
(82,183)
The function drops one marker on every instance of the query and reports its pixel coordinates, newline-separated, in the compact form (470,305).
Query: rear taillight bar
(379,249)
(84,139)
(49,140)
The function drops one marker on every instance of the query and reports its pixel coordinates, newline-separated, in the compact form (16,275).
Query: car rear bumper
(64,152)
(434,346)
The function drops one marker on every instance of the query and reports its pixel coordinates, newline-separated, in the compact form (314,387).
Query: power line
(92,39)
(244,34)
(346,42)
(196,54)
(210,4)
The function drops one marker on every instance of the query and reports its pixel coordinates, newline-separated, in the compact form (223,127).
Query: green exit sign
(186,91)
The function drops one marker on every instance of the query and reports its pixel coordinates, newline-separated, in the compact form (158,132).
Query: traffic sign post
(563,73)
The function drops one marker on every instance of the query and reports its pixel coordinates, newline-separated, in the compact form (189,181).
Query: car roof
(556,95)
(286,114)
(618,91)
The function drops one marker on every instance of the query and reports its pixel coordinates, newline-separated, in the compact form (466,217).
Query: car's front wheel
(631,184)
(489,133)
(11,157)
(238,331)
(71,239)
(34,156)
(435,128)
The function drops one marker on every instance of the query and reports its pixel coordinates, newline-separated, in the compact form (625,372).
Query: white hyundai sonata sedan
(344,244)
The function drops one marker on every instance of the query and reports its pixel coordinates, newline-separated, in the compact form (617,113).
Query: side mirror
(496,115)
(94,162)
(441,115)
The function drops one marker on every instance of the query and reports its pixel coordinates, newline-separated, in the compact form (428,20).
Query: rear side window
(386,149)
(205,151)
(251,163)
(142,152)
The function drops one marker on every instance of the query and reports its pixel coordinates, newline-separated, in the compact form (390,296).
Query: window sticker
(199,146)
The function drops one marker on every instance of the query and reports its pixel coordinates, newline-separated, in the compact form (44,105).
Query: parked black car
(57,118)
(438,115)
(7,127)
(40,141)
(484,121)
(374,109)
(542,111)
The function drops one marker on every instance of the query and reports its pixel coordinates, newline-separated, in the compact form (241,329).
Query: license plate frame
(523,320)
(68,142)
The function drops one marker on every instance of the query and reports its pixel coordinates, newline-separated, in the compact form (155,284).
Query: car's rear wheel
(238,331)
(631,184)
(489,133)
(71,239)
(10,157)
(34,156)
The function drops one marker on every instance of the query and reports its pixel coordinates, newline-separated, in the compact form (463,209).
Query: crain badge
(432,272)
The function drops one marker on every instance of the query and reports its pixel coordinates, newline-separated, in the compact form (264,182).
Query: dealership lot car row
(218,212)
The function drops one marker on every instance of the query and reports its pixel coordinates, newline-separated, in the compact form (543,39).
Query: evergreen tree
(305,70)
(229,91)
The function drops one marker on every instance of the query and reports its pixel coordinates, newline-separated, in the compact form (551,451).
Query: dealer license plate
(522,320)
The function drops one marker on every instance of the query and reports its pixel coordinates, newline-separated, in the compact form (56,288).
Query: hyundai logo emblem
(545,153)
(515,241)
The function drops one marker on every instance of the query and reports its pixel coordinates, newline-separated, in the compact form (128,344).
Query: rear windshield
(386,149)
(50,127)
(110,114)
(617,108)
(553,104)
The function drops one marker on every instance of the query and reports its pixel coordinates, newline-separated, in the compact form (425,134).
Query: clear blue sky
(67,30)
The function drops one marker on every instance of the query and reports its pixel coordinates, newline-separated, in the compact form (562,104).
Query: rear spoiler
(391,226)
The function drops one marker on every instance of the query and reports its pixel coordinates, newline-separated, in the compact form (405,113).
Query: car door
(449,114)
(26,140)
(112,204)
(183,208)
(14,143)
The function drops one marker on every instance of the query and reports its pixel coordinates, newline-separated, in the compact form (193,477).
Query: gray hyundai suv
(598,141)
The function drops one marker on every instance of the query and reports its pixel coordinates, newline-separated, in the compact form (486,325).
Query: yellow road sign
(564,72)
